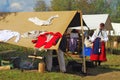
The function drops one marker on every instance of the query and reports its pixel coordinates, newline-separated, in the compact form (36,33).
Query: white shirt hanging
(5,35)
(40,22)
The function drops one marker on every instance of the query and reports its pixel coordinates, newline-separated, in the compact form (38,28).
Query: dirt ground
(115,75)
(109,70)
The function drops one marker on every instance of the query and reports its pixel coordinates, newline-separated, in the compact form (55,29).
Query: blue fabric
(96,46)
(87,51)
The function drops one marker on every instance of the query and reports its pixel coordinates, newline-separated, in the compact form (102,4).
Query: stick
(37,57)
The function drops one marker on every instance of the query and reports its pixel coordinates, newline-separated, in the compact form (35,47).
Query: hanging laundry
(32,34)
(43,39)
(40,22)
(6,35)
(53,40)
(47,39)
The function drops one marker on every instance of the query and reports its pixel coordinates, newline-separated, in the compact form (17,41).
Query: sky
(18,5)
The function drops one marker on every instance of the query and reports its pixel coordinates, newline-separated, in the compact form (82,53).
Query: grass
(34,75)
(109,70)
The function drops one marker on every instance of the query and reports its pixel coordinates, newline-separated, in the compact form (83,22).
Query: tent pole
(84,60)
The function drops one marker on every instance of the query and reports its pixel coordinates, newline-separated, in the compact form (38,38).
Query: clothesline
(39,38)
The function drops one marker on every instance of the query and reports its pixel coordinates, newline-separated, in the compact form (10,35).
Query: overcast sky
(18,5)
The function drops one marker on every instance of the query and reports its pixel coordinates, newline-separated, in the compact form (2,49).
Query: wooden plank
(7,67)
(36,57)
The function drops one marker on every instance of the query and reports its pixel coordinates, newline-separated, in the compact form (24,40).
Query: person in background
(99,38)
(87,46)
(87,42)
(74,36)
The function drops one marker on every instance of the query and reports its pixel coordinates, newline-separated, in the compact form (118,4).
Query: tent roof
(116,28)
(18,21)
(93,21)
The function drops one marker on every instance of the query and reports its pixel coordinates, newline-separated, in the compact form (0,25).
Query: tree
(84,5)
(117,15)
(115,10)
(58,5)
(40,6)
(101,6)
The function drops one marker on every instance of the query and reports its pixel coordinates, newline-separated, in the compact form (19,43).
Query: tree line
(111,7)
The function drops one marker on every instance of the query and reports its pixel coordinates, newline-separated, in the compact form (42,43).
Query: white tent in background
(93,21)
(116,29)
(79,28)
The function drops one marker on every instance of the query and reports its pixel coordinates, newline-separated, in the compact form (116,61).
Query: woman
(99,38)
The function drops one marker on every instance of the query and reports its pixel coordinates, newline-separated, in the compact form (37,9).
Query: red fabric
(53,41)
(41,41)
(34,41)
(101,56)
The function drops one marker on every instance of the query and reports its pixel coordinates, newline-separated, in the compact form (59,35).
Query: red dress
(100,56)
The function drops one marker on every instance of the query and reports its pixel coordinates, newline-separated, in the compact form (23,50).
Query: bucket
(41,67)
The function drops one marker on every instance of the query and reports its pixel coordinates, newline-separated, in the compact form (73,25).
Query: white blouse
(102,35)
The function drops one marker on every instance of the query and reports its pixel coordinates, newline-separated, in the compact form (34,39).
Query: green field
(109,70)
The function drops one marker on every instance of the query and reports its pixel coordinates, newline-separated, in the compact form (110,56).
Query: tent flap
(93,21)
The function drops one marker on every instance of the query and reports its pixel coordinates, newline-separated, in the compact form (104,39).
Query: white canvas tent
(93,21)
(116,29)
